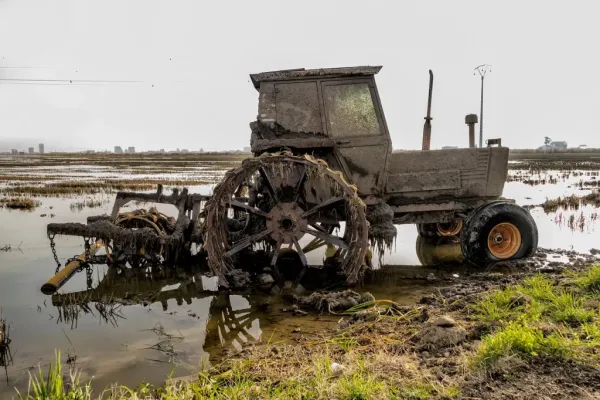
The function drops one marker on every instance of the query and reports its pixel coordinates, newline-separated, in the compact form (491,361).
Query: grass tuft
(19,203)
(590,280)
(53,386)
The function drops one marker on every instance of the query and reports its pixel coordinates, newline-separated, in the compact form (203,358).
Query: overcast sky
(192,59)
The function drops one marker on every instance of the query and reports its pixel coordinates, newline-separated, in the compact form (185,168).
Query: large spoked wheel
(295,198)
(499,232)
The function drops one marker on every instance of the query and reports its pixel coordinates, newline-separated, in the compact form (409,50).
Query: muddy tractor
(324,177)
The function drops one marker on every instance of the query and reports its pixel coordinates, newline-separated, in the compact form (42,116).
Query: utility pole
(482,70)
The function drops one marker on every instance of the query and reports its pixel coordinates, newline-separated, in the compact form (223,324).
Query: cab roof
(291,74)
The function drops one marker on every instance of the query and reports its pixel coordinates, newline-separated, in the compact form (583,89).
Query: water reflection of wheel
(438,251)
(230,326)
(294,196)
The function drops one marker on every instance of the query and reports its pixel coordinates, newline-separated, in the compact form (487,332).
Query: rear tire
(499,232)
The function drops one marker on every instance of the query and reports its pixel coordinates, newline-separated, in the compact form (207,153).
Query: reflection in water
(446,253)
(6,355)
(439,250)
(233,318)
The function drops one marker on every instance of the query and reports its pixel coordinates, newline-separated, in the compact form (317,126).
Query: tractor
(324,175)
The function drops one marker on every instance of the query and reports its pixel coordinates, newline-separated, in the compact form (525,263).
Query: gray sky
(544,80)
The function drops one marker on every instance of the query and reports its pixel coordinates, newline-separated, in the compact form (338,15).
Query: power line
(25,67)
(65,80)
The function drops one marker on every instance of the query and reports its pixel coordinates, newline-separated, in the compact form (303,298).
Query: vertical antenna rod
(482,69)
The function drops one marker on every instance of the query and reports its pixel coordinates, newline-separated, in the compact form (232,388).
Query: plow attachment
(135,237)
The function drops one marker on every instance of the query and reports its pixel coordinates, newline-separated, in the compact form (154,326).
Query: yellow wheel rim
(450,228)
(504,240)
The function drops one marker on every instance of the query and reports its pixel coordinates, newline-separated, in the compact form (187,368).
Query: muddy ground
(426,349)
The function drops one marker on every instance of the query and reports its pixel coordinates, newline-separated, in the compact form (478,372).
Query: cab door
(355,121)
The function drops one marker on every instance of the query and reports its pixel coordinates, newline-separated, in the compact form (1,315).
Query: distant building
(31,150)
(559,145)
(14,151)
(184,150)
(41,148)
(247,149)
(546,147)
(449,147)
(201,151)
(118,150)
(162,150)
(21,153)
(131,149)
(554,146)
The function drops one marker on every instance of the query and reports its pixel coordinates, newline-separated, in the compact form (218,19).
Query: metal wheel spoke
(241,206)
(278,276)
(321,206)
(319,228)
(276,252)
(267,183)
(314,244)
(335,240)
(304,263)
(248,241)
(300,253)
(299,185)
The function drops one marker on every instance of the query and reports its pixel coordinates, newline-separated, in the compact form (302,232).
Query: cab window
(350,110)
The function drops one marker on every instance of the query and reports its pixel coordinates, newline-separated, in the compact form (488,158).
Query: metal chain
(87,249)
(88,275)
(53,247)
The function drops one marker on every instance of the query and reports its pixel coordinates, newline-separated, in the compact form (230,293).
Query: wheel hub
(498,238)
(287,222)
(504,240)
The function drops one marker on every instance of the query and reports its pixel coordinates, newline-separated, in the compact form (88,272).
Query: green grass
(568,308)
(590,280)
(52,387)
(541,317)
(514,339)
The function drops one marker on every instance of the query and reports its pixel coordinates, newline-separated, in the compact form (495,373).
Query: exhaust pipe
(427,126)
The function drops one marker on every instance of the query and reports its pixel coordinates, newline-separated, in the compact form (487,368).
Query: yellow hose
(58,280)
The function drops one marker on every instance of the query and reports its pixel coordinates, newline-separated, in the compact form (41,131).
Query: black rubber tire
(428,230)
(480,223)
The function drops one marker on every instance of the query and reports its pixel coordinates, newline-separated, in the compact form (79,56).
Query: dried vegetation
(19,203)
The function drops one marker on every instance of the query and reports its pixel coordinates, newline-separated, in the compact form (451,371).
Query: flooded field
(174,321)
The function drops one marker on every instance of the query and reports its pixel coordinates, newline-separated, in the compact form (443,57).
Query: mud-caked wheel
(294,196)
(441,229)
(499,232)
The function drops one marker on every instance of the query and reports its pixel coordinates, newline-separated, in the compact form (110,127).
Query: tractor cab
(333,112)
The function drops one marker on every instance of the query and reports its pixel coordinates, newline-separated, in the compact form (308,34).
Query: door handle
(345,141)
